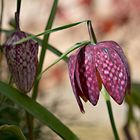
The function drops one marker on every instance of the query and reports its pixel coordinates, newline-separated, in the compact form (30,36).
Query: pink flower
(94,65)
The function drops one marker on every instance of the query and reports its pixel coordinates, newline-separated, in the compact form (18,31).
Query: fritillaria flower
(22,60)
(94,65)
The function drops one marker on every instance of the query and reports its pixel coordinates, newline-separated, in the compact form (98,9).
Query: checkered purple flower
(94,65)
(22,60)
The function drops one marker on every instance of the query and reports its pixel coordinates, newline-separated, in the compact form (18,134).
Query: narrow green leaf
(14,129)
(50,21)
(37,111)
(77,45)
(1,13)
(49,46)
(110,112)
(1,17)
(44,46)
(7,32)
(50,31)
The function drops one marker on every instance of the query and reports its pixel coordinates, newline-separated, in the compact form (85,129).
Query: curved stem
(91,32)
(76,46)
(28,116)
(106,96)
(18,6)
(17,14)
(110,112)
(29,120)
(1,18)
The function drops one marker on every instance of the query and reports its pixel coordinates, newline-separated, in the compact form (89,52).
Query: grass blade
(37,111)
(1,16)
(50,31)
(77,45)
(49,46)
(44,44)
(7,32)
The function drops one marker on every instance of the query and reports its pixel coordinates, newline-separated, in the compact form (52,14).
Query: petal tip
(119,101)
(93,101)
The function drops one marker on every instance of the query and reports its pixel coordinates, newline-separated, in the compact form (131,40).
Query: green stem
(48,31)
(43,52)
(91,32)
(44,43)
(1,17)
(29,120)
(17,14)
(76,46)
(28,116)
(18,6)
(106,96)
(110,112)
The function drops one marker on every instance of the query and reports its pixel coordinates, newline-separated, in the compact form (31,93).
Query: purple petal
(22,60)
(87,74)
(118,49)
(112,69)
(76,90)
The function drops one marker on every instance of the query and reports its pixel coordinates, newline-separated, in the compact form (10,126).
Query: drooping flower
(94,65)
(22,60)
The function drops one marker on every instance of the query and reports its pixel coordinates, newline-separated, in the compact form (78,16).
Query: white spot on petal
(107,61)
(120,74)
(89,79)
(115,78)
(104,65)
(111,75)
(106,72)
(105,56)
(110,64)
(113,70)
(87,67)
(88,84)
(122,82)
